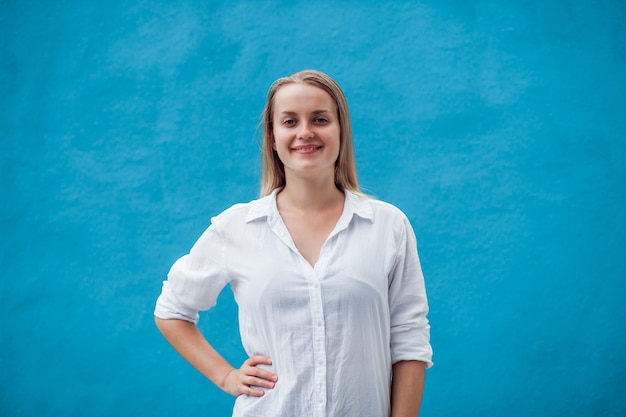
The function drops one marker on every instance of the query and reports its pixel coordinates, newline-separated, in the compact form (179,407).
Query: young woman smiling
(332,304)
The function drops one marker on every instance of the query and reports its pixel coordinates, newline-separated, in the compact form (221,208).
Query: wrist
(224,381)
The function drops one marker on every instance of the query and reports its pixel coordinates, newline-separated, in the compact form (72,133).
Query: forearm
(189,342)
(407,386)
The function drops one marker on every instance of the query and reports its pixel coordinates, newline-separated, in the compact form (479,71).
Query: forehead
(297,97)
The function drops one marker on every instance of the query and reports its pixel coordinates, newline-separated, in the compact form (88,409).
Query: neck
(310,194)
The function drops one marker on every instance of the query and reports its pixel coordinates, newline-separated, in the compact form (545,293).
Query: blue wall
(497,126)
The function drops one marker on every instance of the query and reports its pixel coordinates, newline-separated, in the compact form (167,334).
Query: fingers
(258,360)
(256,376)
(260,373)
(245,379)
(250,386)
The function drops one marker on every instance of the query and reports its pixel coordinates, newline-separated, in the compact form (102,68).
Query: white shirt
(332,331)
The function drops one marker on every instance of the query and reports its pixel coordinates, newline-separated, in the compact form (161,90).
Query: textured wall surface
(497,126)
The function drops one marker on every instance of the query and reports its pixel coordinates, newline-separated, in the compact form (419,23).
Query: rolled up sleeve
(410,329)
(195,280)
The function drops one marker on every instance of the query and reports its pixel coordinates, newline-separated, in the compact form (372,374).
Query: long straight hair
(273,170)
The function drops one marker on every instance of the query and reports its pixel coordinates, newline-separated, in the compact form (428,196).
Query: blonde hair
(273,170)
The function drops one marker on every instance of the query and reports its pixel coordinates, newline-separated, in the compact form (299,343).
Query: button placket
(319,345)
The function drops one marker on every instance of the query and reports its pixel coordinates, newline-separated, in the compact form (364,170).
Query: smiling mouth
(307,148)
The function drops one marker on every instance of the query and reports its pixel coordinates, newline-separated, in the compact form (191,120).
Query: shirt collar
(266,207)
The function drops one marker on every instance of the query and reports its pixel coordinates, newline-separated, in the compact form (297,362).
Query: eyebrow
(315,113)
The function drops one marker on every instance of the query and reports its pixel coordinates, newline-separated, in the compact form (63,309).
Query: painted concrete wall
(497,126)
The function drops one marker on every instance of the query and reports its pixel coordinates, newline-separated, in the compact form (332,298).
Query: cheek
(280,139)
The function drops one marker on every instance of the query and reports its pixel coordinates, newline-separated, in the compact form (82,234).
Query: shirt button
(319,324)
(316,284)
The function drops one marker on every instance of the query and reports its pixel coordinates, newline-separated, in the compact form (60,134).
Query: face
(306,131)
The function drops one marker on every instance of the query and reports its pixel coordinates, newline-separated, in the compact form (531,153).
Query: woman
(332,305)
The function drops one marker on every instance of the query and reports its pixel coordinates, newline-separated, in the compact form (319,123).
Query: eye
(321,120)
(289,122)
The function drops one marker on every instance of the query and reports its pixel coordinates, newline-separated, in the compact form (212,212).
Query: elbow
(160,323)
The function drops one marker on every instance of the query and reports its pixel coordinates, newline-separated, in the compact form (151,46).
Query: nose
(305,131)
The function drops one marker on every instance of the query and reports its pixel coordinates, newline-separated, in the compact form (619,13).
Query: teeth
(307,149)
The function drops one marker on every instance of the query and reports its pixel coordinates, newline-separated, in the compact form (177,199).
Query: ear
(273,142)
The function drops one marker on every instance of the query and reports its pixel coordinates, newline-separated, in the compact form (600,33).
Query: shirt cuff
(168,306)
